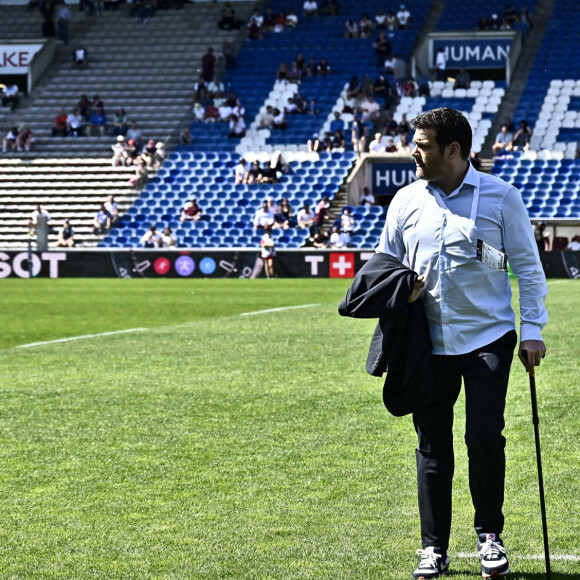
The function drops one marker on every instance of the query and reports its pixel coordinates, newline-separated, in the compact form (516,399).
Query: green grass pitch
(215,445)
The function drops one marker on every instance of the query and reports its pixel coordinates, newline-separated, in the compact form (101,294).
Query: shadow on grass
(521,575)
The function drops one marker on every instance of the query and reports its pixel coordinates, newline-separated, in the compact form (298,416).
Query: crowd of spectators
(510,20)
(509,139)
(382,21)
(300,69)
(270,22)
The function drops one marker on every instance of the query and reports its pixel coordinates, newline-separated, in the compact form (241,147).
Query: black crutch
(536,421)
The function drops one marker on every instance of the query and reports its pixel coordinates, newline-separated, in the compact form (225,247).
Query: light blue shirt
(468,305)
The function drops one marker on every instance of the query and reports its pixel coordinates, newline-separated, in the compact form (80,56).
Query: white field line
(81,337)
(569,557)
(277,309)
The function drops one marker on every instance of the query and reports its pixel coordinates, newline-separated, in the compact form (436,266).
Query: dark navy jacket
(401,344)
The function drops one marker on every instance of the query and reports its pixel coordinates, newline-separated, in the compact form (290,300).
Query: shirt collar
(470,180)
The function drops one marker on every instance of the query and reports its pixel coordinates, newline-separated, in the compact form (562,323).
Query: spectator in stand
(266,119)
(403,146)
(483,23)
(365,26)
(279,120)
(381,20)
(60,126)
(200,93)
(295,74)
(315,143)
(390,146)
(462,80)
(63,21)
(440,64)
(211,113)
(9,142)
(383,48)
(312,108)
(102,221)
(283,217)
(336,123)
(113,208)
(331,7)
(267,251)
(351,29)
(168,239)
(403,126)
(148,154)
(263,217)
(323,68)
(272,205)
(269,175)
(215,87)
(255,173)
(25,139)
(390,125)
(119,152)
(367,198)
(383,89)
(120,123)
(391,21)
(502,140)
(494,22)
(526,18)
(280,22)
(399,70)
(322,214)
(358,136)
(338,239)
(74,123)
(131,152)
(241,172)
(370,110)
(310,8)
(347,221)
(66,236)
(319,240)
(98,122)
(185,137)
(228,19)
(237,127)
(403,17)
(208,61)
(141,174)
(254,27)
(291,20)
(510,14)
(191,212)
(290,107)
(11,96)
(338,141)
(151,239)
(305,217)
(389,65)
(84,107)
(80,57)
(269,21)
(134,133)
(574,245)
(282,74)
(408,88)
(521,138)
(542,237)
(376,146)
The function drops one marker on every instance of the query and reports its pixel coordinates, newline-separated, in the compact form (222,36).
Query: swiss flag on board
(341,265)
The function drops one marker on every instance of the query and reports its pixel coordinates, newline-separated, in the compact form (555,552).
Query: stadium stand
(151,88)
(146,70)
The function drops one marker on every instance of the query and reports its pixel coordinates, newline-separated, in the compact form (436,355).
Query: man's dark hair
(449,126)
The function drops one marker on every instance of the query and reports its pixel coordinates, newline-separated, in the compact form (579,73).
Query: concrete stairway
(149,70)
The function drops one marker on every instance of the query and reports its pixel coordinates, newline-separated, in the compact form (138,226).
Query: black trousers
(485,374)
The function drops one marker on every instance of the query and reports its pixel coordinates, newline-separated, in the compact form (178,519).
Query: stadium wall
(213,263)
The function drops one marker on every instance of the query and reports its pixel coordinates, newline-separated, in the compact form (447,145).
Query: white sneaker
(494,562)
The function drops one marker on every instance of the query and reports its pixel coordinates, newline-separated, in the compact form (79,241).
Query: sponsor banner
(388,178)
(15,58)
(473,53)
(215,264)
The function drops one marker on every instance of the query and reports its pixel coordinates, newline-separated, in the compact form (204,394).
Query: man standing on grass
(458,227)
